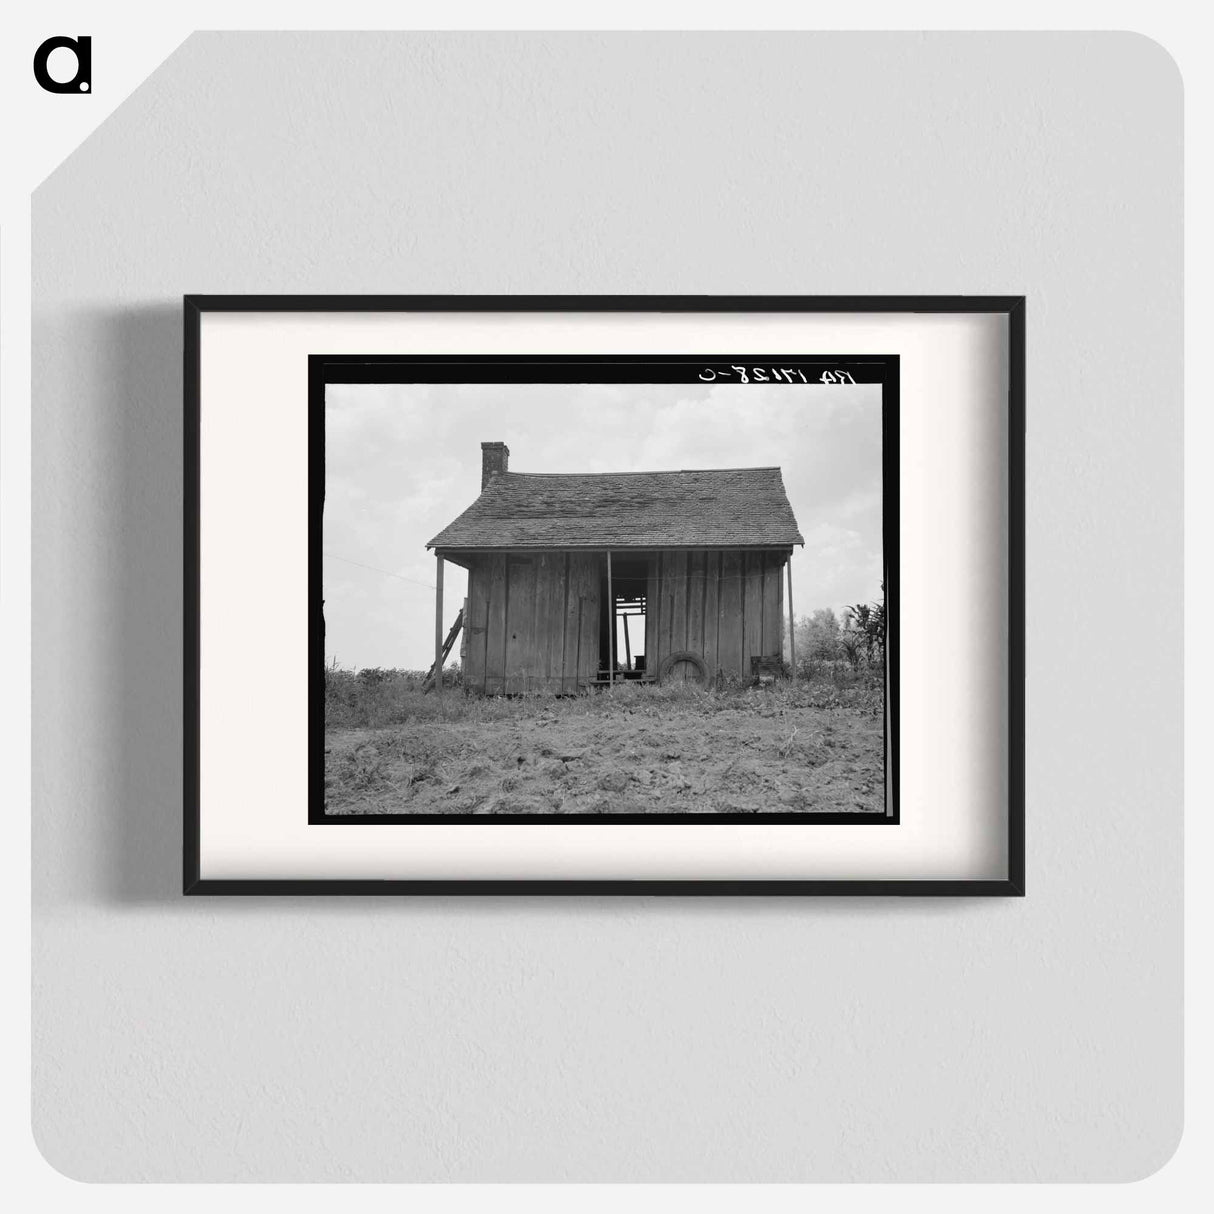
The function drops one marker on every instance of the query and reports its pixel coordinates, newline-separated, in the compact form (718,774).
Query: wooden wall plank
(695,601)
(541,616)
(675,569)
(712,590)
(557,588)
(674,602)
(569,629)
(752,609)
(520,623)
(556,614)
(584,587)
(497,585)
(730,605)
(472,645)
(472,674)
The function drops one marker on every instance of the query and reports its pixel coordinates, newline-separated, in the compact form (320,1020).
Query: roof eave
(774,546)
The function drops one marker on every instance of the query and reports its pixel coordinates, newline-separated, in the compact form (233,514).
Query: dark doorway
(625,607)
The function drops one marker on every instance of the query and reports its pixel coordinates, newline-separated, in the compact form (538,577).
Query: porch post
(438,628)
(792,625)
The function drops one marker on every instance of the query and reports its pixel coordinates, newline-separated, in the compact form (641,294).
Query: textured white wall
(626,1039)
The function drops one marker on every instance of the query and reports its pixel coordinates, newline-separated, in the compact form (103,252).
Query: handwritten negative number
(767,375)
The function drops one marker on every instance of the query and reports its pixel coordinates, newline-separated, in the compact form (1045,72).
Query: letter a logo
(82,81)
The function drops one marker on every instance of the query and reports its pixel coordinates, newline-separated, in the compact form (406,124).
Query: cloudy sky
(402,460)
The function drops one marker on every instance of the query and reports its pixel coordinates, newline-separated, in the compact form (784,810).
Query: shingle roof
(713,508)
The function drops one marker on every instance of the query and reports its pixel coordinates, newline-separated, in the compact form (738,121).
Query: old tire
(675,663)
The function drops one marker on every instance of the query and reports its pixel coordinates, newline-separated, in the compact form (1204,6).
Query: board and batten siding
(727,606)
(533,622)
(533,618)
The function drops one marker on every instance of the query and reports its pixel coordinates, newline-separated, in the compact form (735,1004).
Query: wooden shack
(554,560)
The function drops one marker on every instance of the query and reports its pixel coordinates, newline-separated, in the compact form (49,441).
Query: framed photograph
(681,595)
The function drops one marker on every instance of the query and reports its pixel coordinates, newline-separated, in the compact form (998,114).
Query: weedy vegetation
(813,745)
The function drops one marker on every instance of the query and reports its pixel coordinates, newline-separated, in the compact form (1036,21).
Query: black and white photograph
(609,590)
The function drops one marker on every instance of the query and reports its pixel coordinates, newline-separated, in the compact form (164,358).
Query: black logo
(82,81)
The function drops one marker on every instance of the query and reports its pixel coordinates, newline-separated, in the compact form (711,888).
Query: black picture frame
(1011,307)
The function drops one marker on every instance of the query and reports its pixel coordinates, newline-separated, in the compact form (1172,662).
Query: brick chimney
(495,458)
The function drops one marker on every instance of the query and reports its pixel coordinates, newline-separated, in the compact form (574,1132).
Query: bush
(818,635)
(374,696)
